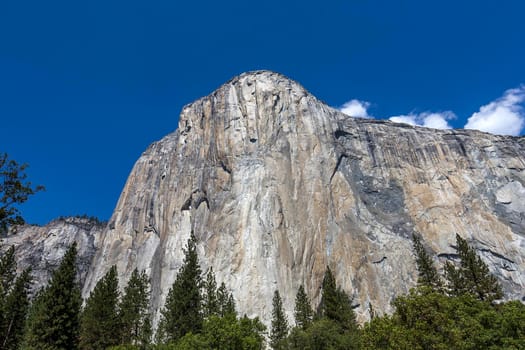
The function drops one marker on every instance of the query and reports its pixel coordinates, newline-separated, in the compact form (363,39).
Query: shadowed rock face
(276,186)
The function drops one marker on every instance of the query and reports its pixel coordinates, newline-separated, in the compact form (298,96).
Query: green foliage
(303,309)
(146,333)
(335,304)
(7,271)
(126,347)
(135,322)
(228,333)
(14,301)
(472,276)
(222,298)
(229,308)
(225,302)
(232,333)
(335,326)
(99,321)
(380,333)
(211,305)
(511,330)
(427,272)
(279,330)
(90,218)
(426,319)
(323,334)
(53,321)
(182,312)
(192,341)
(252,331)
(464,318)
(14,190)
(298,339)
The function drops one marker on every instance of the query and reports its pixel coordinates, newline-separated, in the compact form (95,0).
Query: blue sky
(86,86)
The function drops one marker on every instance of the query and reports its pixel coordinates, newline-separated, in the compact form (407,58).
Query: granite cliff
(277,185)
(42,247)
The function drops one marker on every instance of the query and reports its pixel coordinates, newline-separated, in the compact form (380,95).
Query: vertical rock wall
(276,185)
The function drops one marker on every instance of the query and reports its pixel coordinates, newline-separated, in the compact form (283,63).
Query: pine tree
(135,323)
(13,311)
(427,273)
(146,333)
(7,272)
(303,309)
(279,330)
(229,309)
(472,276)
(252,331)
(211,305)
(328,305)
(225,302)
(182,312)
(53,321)
(335,304)
(455,283)
(222,299)
(99,321)
(7,277)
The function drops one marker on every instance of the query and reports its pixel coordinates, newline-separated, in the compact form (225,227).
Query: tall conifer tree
(182,312)
(54,321)
(99,321)
(427,272)
(225,302)
(14,301)
(211,305)
(279,330)
(7,272)
(472,276)
(229,309)
(135,323)
(222,299)
(303,310)
(335,303)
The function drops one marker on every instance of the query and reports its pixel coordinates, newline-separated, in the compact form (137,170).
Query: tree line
(461,309)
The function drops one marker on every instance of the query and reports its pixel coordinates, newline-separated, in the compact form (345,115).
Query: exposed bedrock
(277,185)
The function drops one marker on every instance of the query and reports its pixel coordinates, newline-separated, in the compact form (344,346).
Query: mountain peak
(264,77)
(261,81)
(276,185)
(251,110)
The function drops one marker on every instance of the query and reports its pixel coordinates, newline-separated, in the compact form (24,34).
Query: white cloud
(504,116)
(426,119)
(356,108)
(407,119)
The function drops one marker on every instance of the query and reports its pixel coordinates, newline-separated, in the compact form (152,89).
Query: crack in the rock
(379,261)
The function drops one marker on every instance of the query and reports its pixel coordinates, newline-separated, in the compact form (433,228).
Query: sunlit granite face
(276,185)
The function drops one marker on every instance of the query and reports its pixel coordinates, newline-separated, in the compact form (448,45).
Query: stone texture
(276,186)
(42,247)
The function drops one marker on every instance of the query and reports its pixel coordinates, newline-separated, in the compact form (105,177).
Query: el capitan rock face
(276,186)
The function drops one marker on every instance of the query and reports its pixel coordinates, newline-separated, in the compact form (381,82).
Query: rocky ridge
(42,247)
(277,185)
